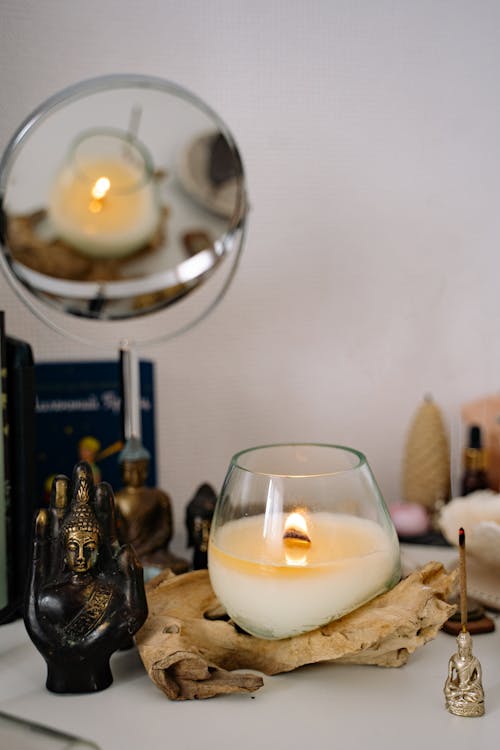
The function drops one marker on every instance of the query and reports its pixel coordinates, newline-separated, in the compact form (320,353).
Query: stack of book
(17,475)
(53,415)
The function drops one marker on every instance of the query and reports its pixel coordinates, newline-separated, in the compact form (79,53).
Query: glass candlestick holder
(300,536)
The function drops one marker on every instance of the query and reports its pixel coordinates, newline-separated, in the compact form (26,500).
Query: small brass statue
(199,514)
(86,596)
(463,688)
(145,513)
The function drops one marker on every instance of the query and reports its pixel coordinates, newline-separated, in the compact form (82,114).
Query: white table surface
(320,706)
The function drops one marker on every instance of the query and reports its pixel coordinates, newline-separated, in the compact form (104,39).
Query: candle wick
(296,536)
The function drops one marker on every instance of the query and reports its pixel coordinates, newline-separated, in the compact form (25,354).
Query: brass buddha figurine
(145,513)
(463,689)
(86,594)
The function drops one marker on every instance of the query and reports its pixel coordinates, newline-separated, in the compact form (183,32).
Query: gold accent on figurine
(88,619)
(463,688)
(198,519)
(202,530)
(81,519)
(81,550)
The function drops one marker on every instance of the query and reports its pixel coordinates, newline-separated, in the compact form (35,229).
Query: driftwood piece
(190,653)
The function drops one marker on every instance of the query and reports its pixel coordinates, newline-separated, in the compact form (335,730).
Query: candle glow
(98,193)
(278,587)
(104,205)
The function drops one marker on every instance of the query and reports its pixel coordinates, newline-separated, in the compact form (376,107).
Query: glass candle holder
(300,536)
(103,201)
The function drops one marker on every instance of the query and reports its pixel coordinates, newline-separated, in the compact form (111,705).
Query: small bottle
(474,476)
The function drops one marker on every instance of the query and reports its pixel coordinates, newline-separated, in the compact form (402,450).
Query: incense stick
(463,580)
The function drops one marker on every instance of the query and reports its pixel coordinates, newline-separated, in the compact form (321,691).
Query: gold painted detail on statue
(83,491)
(466,709)
(91,614)
(202,531)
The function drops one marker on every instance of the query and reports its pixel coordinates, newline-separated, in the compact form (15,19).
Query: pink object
(410,519)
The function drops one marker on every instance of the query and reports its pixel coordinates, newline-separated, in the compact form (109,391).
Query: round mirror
(118,197)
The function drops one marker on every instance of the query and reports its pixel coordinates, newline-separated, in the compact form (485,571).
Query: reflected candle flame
(99,191)
(100,188)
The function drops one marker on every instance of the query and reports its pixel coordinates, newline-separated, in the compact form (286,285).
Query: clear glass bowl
(300,536)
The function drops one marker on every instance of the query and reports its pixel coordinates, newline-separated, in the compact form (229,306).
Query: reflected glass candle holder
(300,536)
(103,202)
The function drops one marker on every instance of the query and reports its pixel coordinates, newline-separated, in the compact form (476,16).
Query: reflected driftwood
(189,652)
(30,245)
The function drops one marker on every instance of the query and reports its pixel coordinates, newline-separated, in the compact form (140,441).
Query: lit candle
(320,566)
(103,202)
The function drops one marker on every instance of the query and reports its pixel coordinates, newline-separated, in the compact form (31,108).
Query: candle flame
(296,539)
(296,529)
(99,191)
(100,188)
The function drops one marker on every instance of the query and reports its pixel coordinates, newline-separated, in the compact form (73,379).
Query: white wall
(370,133)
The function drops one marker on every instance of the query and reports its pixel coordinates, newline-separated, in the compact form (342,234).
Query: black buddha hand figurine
(86,596)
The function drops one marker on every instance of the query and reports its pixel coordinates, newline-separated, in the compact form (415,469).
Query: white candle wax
(111,226)
(273,591)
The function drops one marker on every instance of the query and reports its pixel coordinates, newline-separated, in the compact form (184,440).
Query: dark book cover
(21,420)
(4,487)
(79,417)
(17,470)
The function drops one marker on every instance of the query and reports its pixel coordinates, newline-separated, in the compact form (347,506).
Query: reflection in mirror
(119,196)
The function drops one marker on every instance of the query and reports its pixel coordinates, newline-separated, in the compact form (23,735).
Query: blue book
(79,417)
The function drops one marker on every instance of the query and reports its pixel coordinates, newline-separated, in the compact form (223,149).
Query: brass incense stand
(463,688)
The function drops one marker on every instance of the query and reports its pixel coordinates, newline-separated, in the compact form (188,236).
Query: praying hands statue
(86,596)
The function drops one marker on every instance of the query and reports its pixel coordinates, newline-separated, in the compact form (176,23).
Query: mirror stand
(133,220)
